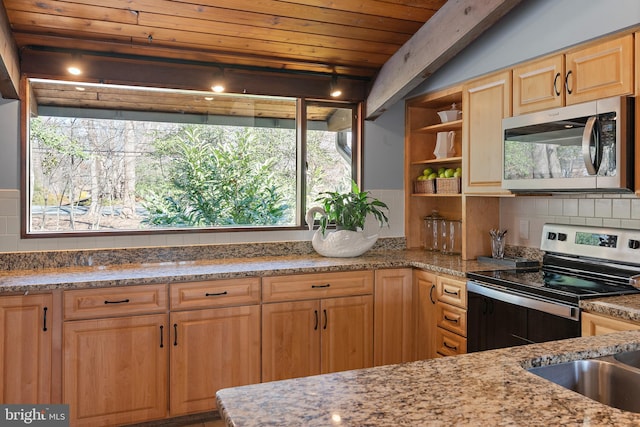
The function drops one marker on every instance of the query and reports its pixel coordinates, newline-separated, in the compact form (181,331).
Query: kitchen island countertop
(486,388)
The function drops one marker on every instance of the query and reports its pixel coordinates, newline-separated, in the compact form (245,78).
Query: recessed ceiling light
(217,88)
(74,70)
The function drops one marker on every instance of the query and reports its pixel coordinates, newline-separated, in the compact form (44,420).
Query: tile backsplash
(524,216)
(10,240)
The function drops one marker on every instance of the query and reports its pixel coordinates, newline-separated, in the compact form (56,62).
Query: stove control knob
(562,237)
(551,235)
(634,244)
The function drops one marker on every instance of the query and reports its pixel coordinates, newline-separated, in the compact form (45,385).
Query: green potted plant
(348,211)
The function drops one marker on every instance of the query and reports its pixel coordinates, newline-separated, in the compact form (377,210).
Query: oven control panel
(614,244)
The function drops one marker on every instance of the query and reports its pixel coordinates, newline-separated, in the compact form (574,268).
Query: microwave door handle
(591,133)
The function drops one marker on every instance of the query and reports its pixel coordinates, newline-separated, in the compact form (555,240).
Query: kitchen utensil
(497,243)
(449,115)
(444,145)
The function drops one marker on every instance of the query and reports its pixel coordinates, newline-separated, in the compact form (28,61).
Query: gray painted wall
(533,28)
(9,144)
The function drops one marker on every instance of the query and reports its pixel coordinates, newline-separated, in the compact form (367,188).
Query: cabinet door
(290,340)
(394,325)
(600,71)
(25,349)
(425,288)
(485,103)
(212,349)
(347,333)
(115,370)
(594,324)
(538,85)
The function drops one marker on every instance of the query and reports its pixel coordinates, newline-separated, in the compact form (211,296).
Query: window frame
(29,106)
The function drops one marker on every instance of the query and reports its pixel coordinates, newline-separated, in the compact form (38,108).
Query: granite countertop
(624,307)
(19,281)
(487,388)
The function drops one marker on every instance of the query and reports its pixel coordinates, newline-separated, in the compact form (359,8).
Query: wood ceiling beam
(449,31)
(9,64)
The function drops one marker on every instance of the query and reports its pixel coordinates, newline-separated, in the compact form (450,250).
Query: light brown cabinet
(451,316)
(485,102)
(394,326)
(214,341)
(597,70)
(310,327)
(115,367)
(426,314)
(26,349)
(599,324)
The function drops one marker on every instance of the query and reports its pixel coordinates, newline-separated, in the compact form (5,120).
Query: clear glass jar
(451,236)
(432,227)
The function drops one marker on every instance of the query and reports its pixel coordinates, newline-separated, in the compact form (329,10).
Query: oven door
(577,147)
(497,318)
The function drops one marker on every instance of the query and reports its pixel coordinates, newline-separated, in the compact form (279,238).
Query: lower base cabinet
(210,350)
(596,324)
(115,370)
(301,338)
(25,349)
(394,327)
(426,314)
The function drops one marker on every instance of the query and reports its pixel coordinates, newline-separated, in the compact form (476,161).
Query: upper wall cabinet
(485,102)
(598,70)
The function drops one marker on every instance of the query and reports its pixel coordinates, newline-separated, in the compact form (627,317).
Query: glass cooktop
(552,285)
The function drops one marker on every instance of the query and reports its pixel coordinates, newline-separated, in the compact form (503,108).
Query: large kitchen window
(113,159)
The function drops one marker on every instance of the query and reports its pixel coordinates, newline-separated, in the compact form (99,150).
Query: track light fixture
(334,88)
(74,67)
(218,84)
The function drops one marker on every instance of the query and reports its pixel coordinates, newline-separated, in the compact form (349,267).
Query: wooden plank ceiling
(349,38)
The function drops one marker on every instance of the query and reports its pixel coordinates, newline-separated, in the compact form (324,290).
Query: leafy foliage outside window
(89,174)
(216,184)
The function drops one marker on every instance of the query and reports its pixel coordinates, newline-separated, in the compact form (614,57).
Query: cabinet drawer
(452,291)
(320,285)
(452,318)
(117,301)
(450,344)
(215,293)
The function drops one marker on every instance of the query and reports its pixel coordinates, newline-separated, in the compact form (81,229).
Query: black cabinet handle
(450,320)
(325,319)
(555,84)
(175,334)
(117,302)
(485,306)
(315,312)
(215,294)
(431,294)
(161,336)
(44,323)
(566,82)
(326,285)
(450,347)
(451,293)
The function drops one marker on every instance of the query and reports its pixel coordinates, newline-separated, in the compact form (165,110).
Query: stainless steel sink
(604,380)
(631,358)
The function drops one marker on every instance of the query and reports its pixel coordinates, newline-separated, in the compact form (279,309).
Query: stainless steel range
(522,306)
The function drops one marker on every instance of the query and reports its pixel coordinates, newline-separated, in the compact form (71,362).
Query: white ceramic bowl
(449,115)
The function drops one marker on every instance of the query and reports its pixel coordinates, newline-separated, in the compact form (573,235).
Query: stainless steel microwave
(581,147)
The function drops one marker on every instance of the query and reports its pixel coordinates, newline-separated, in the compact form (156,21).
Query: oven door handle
(502,294)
